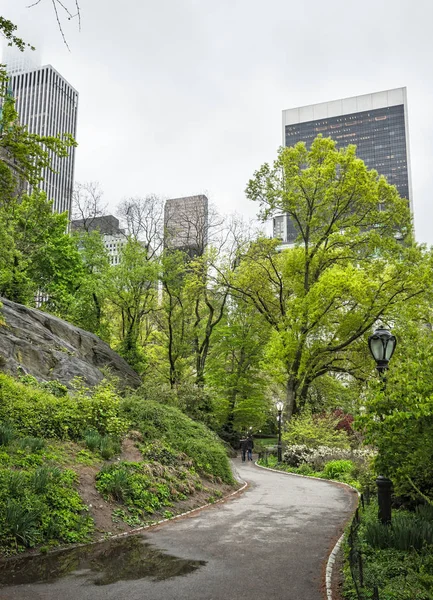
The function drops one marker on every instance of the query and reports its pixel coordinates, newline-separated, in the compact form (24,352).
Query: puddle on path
(104,563)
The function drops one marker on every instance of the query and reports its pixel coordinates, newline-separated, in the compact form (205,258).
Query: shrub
(36,412)
(115,482)
(7,433)
(316,430)
(31,444)
(22,523)
(304,469)
(15,483)
(39,505)
(42,476)
(296,454)
(55,388)
(406,533)
(180,433)
(92,439)
(108,447)
(162,453)
(337,469)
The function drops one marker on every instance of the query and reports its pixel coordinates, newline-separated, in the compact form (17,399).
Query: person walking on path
(250,446)
(244,448)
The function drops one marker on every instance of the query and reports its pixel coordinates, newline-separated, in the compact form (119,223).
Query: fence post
(361,570)
(375,593)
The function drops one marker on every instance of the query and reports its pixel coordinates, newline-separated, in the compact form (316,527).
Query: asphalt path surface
(272,541)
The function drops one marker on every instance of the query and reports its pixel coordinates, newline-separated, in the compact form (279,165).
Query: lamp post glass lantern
(279,406)
(382,345)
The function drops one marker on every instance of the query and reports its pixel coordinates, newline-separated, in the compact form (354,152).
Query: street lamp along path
(382,345)
(279,406)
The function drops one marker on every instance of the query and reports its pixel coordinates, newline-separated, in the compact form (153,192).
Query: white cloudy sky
(179,97)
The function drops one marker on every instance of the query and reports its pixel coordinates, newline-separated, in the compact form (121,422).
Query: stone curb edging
(331,559)
(188,512)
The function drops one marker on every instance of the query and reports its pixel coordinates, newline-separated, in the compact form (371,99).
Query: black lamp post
(280,406)
(382,345)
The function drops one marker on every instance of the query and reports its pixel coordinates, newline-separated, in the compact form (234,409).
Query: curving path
(270,542)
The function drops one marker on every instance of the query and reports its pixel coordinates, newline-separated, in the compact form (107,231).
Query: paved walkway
(270,543)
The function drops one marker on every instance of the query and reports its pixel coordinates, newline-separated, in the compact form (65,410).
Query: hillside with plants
(77,466)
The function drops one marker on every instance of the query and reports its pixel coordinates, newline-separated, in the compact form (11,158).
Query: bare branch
(70,16)
(59,24)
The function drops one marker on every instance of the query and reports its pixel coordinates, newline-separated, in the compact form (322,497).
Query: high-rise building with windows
(376,123)
(186,224)
(113,236)
(47,105)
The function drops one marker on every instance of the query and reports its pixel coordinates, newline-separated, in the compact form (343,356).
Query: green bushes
(181,434)
(407,532)
(396,558)
(36,412)
(107,445)
(338,469)
(31,444)
(316,430)
(40,505)
(7,433)
(349,466)
(161,452)
(143,488)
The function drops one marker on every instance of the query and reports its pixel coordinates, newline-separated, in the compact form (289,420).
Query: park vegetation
(217,336)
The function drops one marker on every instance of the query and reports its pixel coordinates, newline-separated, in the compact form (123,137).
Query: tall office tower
(47,104)
(186,224)
(376,123)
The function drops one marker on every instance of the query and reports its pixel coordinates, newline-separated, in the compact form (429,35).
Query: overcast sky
(182,97)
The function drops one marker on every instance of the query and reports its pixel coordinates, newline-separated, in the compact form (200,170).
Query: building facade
(47,105)
(113,237)
(376,123)
(186,224)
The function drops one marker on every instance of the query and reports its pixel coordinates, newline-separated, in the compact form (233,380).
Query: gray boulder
(49,348)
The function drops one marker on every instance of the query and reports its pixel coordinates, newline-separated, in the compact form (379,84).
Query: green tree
(352,263)
(208,297)
(133,289)
(398,418)
(235,371)
(89,307)
(172,347)
(41,256)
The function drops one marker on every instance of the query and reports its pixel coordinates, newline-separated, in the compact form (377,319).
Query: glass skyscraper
(376,123)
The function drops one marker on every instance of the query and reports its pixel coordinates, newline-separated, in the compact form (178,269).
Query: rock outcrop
(49,348)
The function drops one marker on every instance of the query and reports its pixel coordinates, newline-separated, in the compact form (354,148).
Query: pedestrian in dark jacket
(250,446)
(244,448)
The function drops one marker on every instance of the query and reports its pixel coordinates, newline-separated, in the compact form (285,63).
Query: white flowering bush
(316,458)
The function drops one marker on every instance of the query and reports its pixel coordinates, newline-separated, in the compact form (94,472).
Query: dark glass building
(375,123)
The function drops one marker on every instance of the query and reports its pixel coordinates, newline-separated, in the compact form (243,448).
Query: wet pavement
(271,541)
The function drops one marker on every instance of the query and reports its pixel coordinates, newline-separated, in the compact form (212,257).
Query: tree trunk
(290,408)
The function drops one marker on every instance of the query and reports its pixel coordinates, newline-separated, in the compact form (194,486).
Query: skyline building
(47,105)
(113,236)
(376,123)
(186,224)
